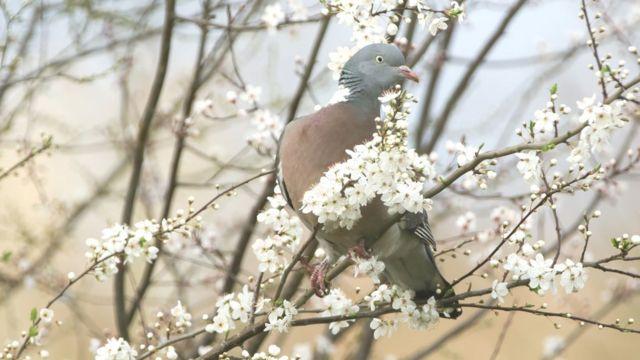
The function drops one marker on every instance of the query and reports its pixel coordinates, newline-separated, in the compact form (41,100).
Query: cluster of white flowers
(383,327)
(116,349)
(371,266)
(273,353)
(269,127)
(529,166)
(499,290)
(273,16)
(280,318)
(182,318)
(371,21)
(542,275)
(46,315)
(133,242)
(601,120)
(417,317)
(467,221)
(284,235)
(464,154)
(234,307)
(383,167)
(337,304)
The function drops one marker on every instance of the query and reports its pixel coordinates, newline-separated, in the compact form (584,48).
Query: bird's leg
(360,250)
(318,281)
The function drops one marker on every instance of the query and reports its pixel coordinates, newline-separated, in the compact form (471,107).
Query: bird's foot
(360,251)
(318,280)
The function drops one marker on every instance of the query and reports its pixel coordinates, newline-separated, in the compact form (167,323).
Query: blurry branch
(594,47)
(249,28)
(50,303)
(419,52)
(58,236)
(548,195)
(181,134)
(47,142)
(550,314)
(450,335)
(434,78)
(23,46)
(463,84)
(258,328)
(503,335)
(488,155)
(248,228)
(138,158)
(304,80)
(364,349)
(619,297)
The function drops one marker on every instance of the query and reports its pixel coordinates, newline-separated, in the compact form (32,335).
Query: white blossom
(540,274)
(466,221)
(572,276)
(280,318)
(134,243)
(181,316)
(601,121)
(273,16)
(499,290)
(371,267)
(382,327)
(283,237)
(337,304)
(438,24)
(46,315)
(234,307)
(426,315)
(382,167)
(116,349)
(529,165)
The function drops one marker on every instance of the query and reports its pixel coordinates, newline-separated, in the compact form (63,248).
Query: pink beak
(408,73)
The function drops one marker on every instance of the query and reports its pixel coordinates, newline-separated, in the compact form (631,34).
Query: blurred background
(81,71)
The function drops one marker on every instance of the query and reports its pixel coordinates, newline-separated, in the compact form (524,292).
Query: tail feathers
(417,270)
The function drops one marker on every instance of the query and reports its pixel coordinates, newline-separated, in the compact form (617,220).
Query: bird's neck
(364,100)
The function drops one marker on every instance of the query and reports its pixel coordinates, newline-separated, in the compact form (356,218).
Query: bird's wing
(418,224)
(279,175)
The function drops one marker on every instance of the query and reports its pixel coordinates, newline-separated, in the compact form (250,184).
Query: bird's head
(375,68)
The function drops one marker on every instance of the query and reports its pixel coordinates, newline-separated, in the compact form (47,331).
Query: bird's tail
(444,290)
(413,266)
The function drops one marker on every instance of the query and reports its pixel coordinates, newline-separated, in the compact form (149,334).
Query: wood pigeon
(312,144)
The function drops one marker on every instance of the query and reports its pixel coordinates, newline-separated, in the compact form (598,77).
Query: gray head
(373,69)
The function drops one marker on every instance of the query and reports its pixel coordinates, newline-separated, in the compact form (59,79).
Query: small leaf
(548,147)
(6,256)
(614,242)
(33,331)
(554,89)
(34,315)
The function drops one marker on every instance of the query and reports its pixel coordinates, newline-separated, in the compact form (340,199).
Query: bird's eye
(379,59)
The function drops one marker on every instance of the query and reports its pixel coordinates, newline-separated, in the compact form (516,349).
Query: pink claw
(360,251)
(318,281)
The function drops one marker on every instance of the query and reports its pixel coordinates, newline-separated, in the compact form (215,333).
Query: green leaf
(548,147)
(605,69)
(554,89)
(614,242)
(6,256)
(33,331)
(34,315)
